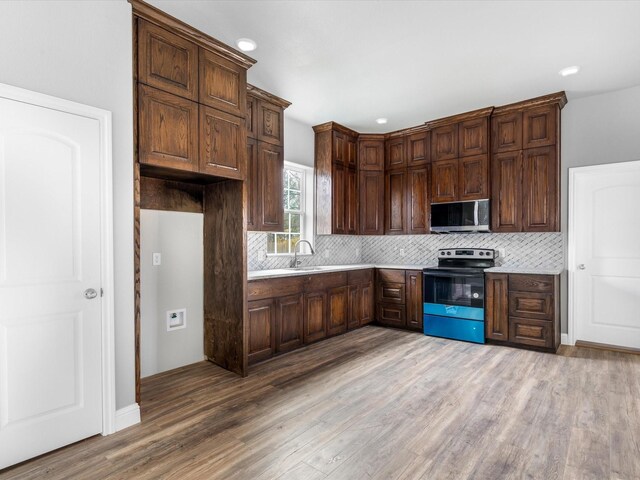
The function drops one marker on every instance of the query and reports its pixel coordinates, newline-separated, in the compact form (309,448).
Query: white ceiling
(412,61)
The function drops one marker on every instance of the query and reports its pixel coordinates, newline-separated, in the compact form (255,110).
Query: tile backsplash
(541,250)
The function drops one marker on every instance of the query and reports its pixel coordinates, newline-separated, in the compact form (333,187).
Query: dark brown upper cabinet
(525,165)
(444,142)
(371,152)
(337,192)
(222,144)
(444,180)
(418,146)
(265,160)
(371,190)
(395,191)
(167,61)
(168,130)
(396,153)
(473,177)
(417,200)
(473,137)
(223,84)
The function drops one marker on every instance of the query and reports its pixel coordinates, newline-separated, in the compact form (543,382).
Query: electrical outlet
(357,252)
(262,255)
(326,253)
(402,252)
(157,259)
(501,252)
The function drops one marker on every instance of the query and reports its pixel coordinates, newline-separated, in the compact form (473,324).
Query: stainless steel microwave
(470,216)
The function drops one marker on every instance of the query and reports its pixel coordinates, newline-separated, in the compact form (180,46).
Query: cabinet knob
(582,266)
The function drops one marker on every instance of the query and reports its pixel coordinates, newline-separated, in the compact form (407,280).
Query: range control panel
(468,253)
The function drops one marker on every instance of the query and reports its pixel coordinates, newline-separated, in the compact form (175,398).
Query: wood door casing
(223,84)
(506,188)
(473,180)
(540,188)
(168,130)
(444,143)
(444,180)
(289,323)
(414,316)
(261,320)
(395,202)
(337,309)
(271,163)
(222,144)
(497,306)
(417,201)
(371,190)
(315,316)
(473,137)
(167,61)
(506,132)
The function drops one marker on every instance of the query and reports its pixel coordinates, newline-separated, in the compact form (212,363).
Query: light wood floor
(378,403)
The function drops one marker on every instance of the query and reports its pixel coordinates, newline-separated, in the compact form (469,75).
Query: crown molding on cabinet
(461,117)
(325,127)
(269,97)
(559,97)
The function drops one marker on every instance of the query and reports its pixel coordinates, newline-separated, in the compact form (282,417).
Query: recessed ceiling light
(381,121)
(246,44)
(565,72)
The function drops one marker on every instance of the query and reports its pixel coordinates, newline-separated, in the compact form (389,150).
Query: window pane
(295,180)
(285,199)
(294,200)
(285,178)
(271,243)
(282,243)
(294,240)
(294,222)
(286,223)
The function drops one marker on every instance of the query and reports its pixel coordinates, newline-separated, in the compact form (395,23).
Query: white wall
(176,283)
(81,51)
(596,130)
(298,142)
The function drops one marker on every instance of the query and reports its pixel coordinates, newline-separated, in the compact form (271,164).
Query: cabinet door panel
(167,61)
(368,304)
(338,310)
(261,330)
(371,155)
(223,84)
(168,130)
(532,283)
(418,200)
(253,186)
(392,315)
(506,188)
(289,324)
(473,137)
(394,198)
(271,165)
(539,126)
(355,306)
(444,181)
(414,299)
(531,305)
(540,189)
(270,123)
(389,292)
(339,148)
(222,144)
(506,132)
(251,117)
(315,316)
(497,306)
(351,201)
(538,333)
(396,153)
(371,189)
(444,142)
(474,177)
(338,198)
(418,149)
(352,152)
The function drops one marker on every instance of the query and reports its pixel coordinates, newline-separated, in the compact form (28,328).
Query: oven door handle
(454,275)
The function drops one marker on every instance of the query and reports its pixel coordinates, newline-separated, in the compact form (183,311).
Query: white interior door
(50,332)
(605,254)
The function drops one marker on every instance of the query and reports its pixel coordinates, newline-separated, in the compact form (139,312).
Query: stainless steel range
(453,294)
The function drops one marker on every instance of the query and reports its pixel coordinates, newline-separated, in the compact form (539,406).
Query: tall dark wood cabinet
(337,193)
(371,184)
(525,165)
(460,157)
(265,129)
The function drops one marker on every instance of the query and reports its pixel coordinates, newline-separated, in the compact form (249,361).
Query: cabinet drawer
(531,305)
(538,333)
(323,281)
(357,277)
(391,314)
(391,292)
(274,287)
(389,275)
(531,283)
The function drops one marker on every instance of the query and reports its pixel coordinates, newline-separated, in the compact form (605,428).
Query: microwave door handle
(475,213)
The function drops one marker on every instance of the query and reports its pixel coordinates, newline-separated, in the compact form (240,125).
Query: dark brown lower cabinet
(289,314)
(523,310)
(391,314)
(361,298)
(414,299)
(261,330)
(338,310)
(315,316)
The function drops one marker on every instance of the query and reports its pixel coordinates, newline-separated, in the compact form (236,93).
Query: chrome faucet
(294,261)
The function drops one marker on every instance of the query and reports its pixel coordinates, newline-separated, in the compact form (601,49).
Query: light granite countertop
(310,270)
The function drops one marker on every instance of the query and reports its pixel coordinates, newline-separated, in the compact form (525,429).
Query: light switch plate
(157,259)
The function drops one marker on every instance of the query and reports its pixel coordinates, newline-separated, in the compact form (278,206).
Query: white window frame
(306,208)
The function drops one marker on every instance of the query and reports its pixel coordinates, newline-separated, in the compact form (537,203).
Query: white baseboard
(127,416)
(564,339)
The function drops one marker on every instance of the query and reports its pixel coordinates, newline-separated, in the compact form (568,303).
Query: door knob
(582,266)
(90,293)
